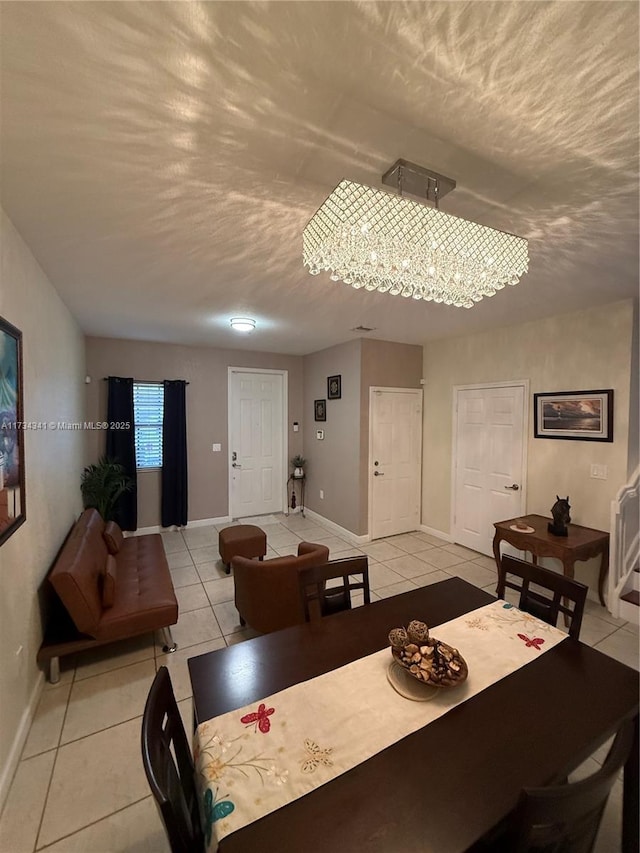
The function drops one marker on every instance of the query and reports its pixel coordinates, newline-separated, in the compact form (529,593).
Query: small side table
(293,480)
(582,543)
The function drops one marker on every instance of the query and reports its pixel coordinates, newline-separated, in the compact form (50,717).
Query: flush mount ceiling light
(370,238)
(243,324)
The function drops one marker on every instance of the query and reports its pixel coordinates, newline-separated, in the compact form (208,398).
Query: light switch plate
(216,448)
(599,472)
(320,434)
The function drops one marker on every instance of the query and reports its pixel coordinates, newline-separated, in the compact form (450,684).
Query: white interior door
(395,460)
(256,443)
(489,462)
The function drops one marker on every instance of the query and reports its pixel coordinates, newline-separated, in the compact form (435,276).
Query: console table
(582,543)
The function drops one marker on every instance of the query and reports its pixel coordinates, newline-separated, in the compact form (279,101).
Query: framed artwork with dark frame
(577,415)
(320,410)
(12,495)
(334,387)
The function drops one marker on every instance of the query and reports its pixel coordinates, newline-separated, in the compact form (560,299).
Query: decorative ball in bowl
(428,660)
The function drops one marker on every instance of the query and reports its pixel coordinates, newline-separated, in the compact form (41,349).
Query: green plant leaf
(102,484)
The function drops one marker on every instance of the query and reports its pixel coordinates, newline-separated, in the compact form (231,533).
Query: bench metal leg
(169,643)
(54,670)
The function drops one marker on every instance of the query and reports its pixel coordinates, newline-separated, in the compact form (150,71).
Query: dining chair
(169,767)
(565,590)
(567,817)
(320,599)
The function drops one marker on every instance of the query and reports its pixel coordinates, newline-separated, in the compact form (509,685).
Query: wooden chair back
(169,767)
(320,600)
(565,592)
(567,817)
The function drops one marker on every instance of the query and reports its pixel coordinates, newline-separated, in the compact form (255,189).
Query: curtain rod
(147,381)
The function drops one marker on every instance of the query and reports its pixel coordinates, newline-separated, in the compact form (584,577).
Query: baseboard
(11,764)
(433,532)
(340,531)
(199,522)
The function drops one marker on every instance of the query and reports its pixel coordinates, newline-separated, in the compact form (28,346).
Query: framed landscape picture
(577,415)
(12,497)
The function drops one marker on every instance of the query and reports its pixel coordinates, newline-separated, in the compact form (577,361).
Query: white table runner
(257,759)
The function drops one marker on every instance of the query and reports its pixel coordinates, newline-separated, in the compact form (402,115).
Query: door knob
(378,474)
(235,465)
(514,487)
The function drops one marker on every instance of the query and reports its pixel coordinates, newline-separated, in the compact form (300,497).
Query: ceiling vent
(363,329)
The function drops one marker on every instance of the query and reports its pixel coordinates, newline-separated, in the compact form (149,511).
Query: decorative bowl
(427,659)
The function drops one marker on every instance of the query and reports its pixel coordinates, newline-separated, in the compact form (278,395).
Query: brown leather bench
(110,588)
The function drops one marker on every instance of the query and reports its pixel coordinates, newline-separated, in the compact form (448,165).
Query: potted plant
(298,463)
(103,484)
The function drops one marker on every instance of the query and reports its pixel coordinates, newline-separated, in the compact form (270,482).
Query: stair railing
(625,540)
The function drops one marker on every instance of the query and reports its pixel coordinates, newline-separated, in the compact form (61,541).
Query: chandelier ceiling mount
(407,177)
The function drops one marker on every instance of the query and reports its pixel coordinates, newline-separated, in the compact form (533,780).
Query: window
(148,409)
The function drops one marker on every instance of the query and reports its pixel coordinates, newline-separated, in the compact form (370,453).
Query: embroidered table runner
(257,759)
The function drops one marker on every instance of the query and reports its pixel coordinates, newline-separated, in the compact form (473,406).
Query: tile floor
(80,785)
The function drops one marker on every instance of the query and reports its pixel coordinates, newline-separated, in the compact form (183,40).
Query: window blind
(148,407)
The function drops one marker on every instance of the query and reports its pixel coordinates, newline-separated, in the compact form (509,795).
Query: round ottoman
(243,540)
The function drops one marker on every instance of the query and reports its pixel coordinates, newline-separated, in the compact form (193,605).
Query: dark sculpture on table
(561,517)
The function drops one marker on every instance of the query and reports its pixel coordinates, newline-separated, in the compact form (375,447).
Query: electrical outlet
(321,494)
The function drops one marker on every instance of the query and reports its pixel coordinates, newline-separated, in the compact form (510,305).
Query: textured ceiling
(162,159)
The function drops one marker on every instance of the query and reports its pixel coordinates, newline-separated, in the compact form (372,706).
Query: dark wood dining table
(442,788)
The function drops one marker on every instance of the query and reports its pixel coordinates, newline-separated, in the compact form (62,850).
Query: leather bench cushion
(90,520)
(109,582)
(77,574)
(113,537)
(144,596)
(243,540)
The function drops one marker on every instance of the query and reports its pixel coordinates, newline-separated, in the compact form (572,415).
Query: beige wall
(388,365)
(206,369)
(339,464)
(634,398)
(333,464)
(581,351)
(54,370)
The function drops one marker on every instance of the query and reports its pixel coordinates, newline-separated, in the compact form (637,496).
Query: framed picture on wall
(577,415)
(320,410)
(334,387)
(12,497)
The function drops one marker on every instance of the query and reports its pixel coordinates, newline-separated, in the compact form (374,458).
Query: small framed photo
(577,415)
(334,387)
(320,410)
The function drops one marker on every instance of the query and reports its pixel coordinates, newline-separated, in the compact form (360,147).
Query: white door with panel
(395,460)
(489,462)
(256,443)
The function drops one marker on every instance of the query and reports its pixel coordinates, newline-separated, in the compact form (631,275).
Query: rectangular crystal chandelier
(370,238)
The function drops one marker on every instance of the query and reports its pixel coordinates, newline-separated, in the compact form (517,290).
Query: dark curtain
(174,454)
(121,446)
